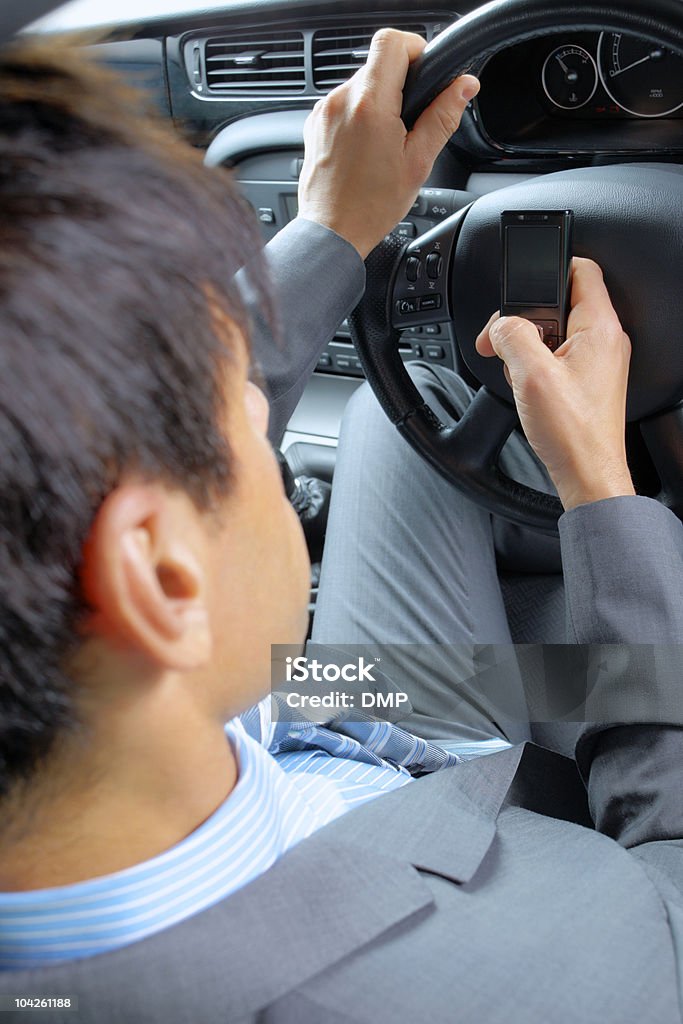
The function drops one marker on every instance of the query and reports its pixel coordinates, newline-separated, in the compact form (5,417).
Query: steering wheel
(628,217)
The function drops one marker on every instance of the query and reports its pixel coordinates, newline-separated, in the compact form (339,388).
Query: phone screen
(532,260)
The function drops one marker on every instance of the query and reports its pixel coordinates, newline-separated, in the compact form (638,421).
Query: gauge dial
(645,80)
(570,77)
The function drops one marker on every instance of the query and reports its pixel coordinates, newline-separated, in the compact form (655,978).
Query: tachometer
(645,80)
(570,77)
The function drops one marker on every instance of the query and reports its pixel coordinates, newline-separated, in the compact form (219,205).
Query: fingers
(591,304)
(509,337)
(385,70)
(441,119)
(391,53)
(517,343)
(357,145)
(592,321)
(483,343)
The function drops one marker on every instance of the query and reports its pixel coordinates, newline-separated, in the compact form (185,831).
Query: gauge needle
(615,74)
(563,65)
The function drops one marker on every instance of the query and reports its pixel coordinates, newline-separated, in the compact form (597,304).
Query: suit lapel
(457,809)
(321,902)
(444,823)
(329,896)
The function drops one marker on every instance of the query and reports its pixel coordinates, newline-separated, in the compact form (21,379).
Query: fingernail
(470,87)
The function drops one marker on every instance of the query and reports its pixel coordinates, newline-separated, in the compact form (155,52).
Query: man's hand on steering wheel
(363,170)
(572,402)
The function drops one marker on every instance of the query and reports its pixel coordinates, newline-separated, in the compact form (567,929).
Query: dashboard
(583,92)
(238,79)
(570,95)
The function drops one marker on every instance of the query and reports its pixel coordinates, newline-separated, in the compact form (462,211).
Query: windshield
(88,13)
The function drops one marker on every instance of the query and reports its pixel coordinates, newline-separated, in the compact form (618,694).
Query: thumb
(517,343)
(441,119)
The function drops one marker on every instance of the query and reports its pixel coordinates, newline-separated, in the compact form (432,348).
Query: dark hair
(112,235)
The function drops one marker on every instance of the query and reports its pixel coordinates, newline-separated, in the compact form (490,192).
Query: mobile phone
(536,270)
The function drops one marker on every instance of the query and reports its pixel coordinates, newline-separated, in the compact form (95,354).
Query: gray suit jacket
(506,889)
(317,278)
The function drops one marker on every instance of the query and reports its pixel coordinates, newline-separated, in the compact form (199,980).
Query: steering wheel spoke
(478,437)
(467,452)
(421,292)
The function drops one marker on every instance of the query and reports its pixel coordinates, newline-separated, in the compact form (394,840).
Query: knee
(364,422)
(362,411)
(360,403)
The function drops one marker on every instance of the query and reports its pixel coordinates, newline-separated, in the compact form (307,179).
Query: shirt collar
(262,817)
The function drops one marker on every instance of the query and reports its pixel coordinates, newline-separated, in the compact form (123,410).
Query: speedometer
(644,79)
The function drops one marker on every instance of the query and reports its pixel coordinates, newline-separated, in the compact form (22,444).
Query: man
(148,867)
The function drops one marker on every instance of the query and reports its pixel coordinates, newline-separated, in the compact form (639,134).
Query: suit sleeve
(623,564)
(317,278)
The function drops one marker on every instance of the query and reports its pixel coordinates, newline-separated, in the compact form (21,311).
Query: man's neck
(103,808)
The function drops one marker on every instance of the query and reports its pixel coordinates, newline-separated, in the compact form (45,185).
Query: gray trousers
(411,563)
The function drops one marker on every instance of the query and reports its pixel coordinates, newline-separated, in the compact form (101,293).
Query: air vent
(256,62)
(338,52)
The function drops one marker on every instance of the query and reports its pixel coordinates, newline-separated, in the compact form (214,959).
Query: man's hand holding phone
(572,402)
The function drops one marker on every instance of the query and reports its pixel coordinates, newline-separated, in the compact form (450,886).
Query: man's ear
(144,576)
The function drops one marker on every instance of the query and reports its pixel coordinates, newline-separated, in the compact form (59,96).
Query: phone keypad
(549,332)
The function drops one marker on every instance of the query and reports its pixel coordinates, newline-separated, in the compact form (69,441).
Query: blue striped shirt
(292,780)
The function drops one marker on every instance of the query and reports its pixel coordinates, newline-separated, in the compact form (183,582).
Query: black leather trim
(375,339)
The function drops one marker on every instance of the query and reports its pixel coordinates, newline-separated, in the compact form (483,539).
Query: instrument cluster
(582,93)
(619,74)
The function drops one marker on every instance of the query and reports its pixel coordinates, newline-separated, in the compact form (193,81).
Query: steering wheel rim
(466,453)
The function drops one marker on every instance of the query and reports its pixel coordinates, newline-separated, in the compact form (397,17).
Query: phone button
(548,331)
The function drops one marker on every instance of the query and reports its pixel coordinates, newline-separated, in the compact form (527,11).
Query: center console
(270,181)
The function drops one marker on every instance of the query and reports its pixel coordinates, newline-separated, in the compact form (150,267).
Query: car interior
(558,106)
